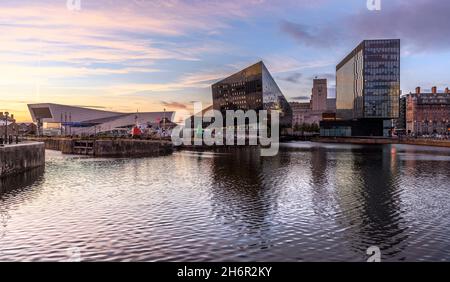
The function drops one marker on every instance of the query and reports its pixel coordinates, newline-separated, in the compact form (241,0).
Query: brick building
(428,113)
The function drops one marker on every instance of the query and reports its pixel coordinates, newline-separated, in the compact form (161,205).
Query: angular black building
(252,89)
(368,89)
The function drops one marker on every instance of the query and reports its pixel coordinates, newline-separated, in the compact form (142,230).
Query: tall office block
(368,88)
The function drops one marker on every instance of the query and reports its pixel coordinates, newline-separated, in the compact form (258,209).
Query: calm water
(311,202)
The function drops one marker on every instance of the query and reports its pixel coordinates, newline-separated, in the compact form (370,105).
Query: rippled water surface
(311,202)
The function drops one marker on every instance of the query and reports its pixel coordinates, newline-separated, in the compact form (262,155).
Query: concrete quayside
(109,147)
(117,147)
(19,158)
(382,141)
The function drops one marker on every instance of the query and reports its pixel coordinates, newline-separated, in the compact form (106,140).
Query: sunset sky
(155,54)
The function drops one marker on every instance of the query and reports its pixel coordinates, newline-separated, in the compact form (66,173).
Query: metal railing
(6,138)
(11,139)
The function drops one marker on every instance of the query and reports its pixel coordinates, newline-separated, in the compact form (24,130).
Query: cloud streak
(293,77)
(308,35)
(301,98)
(174,105)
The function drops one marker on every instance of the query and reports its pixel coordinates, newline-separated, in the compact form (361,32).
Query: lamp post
(11,137)
(164,121)
(38,127)
(6,127)
(1,137)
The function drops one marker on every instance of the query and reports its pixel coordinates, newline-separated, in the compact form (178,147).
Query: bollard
(17,139)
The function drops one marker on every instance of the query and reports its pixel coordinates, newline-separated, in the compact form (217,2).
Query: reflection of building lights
(393,151)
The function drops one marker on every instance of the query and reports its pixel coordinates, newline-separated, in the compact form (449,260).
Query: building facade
(55,119)
(302,113)
(251,89)
(401,121)
(312,112)
(368,87)
(331,105)
(428,113)
(319,95)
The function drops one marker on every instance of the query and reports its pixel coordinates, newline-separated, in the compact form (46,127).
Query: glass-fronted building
(350,85)
(252,89)
(368,86)
(381,79)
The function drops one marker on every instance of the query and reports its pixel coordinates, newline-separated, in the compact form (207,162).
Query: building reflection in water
(312,202)
(20,181)
(321,168)
(12,186)
(369,198)
(244,194)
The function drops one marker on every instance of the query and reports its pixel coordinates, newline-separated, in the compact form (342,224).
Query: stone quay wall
(16,159)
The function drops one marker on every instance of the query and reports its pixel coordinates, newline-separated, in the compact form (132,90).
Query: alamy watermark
(73,254)
(73,5)
(374,254)
(241,129)
(374,5)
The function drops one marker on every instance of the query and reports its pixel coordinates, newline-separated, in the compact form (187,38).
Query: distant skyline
(148,55)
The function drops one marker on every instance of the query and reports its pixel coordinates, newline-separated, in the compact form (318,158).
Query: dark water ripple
(309,203)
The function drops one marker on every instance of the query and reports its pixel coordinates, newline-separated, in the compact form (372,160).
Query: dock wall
(375,141)
(15,159)
(109,147)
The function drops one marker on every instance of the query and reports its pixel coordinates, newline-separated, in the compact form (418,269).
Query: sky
(150,55)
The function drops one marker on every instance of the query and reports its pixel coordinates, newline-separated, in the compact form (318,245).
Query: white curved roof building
(86,121)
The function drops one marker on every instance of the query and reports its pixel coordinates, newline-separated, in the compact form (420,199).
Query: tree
(304,127)
(315,128)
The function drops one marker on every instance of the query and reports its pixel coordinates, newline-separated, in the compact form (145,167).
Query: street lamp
(1,118)
(6,127)
(12,118)
(164,120)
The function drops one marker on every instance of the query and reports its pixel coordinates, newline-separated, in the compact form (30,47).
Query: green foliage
(306,127)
